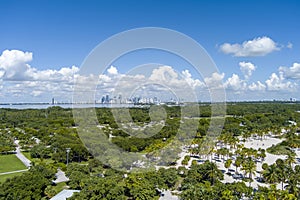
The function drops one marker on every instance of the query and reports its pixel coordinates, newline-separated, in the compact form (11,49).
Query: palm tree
(292,185)
(227,164)
(218,153)
(253,153)
(282,171)
(223,152)
(286,196)
(264,166)
(232,141)
(273,193)
(246,135)
(270,174)
(261,133)
(227,195)
(239,147)
(213,174)
(263,154)
(192,151)
(227,153)
(249,167)
(291,159)
(237,163)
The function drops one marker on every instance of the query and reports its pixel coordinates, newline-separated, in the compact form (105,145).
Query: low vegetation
(10,163)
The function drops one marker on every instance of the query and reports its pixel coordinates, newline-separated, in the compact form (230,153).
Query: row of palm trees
(240,157)
(282,171)
(231,152)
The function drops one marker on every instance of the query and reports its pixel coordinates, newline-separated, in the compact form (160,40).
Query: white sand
(254,143)
(270,159)
(264,144)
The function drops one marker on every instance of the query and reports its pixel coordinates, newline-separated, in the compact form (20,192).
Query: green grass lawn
(10,163)
(27,155)
(59,187)
(6,176)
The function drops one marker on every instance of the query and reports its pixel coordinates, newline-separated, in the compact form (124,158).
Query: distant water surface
(44,106)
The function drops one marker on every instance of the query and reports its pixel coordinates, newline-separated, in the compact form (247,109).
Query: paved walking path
(21,156)
(12,172)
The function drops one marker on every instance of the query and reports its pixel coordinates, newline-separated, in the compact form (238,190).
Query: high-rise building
(103,99)
(120,98)
(107,99)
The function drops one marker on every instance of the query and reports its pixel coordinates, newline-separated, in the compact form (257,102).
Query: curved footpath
(21,156)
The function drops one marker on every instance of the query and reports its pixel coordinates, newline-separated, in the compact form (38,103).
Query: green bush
(186,160)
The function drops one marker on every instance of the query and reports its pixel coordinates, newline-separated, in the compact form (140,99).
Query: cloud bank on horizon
(20,82)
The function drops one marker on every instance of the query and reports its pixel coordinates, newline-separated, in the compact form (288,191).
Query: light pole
(68,151)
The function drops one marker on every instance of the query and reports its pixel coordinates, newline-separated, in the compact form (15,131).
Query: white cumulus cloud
(19,79)
(164,74)
(112,70)
(235,83)
(215,80)
(292,72)
(13,64)
(160,81)
(277,83)
(192,82)
(258,86)
(257,47)
(247,68)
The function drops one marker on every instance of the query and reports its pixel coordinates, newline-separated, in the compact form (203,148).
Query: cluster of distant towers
(118,99)
(106,99)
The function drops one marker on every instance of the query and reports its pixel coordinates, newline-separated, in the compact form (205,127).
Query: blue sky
(60,34)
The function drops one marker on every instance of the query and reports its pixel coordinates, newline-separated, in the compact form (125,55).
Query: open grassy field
(27,155)
(6,176)
(10,163)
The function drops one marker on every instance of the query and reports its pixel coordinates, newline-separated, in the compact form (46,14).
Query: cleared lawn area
(10,163)
(59,187)
(27,155)
(6,176)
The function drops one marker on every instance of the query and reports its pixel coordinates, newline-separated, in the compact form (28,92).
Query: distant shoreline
(228,102)
(63,105)
(124,105)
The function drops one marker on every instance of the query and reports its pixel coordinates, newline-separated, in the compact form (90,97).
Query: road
(20,155)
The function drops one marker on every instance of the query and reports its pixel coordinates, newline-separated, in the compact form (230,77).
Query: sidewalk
(20,155)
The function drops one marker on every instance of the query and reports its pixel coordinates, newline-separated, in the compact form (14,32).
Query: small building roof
(167,195)
(63,195)
(60,177)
